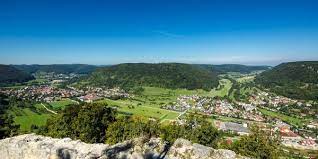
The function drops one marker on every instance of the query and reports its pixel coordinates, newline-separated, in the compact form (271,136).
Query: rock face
(31,146)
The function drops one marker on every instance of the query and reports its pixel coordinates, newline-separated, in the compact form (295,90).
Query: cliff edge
(31,146)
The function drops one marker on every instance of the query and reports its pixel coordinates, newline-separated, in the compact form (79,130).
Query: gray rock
(31,146)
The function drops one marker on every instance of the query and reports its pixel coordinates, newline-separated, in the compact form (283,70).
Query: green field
(135,108)
(26,117)
(148,103)
(246,79)
(223,88)
(283,117)
(61,103)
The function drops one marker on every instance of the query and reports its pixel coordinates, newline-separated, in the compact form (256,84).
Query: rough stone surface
(31,146)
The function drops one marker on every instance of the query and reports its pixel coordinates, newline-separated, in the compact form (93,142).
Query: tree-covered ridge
(58,68)
(9,74)
(225,68)
(167,75)
(294,79)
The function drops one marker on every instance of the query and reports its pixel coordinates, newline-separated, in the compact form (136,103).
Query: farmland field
(246,79)
(134,107)
(283,117)
(223,88)
(61,103)
(26,117)
(148,103)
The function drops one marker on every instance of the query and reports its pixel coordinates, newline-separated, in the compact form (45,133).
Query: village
(48,93)
(248,114)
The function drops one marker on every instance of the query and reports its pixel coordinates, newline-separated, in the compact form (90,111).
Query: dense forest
(58,68)
(85,69)
(7,126)
(166,75)
(225,68)
(9,74)
(294,79)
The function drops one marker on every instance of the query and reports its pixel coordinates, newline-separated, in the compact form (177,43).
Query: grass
(61,104)
(246,79)
(135,108)
(223,88)
(283,117)
(26,117)
(148,103)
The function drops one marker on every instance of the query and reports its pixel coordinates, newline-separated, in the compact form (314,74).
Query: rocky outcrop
(31,146)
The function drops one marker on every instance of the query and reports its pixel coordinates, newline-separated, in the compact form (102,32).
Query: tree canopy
(166,75)
(297,80)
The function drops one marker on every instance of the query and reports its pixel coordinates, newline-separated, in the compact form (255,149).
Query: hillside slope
(166,75)
(294,79)
(58,68)
(225,68)
(9,74)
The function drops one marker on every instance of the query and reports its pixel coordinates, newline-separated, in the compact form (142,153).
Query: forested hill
(224,68)
(9,74)
(294,79)
(58,68)
(166,75)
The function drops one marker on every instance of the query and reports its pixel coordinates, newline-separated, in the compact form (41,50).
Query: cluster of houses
(269,100)
(93,93)
(287,136)
(250,112)
(48,93)
(291,139)
(210,106)
(56,76)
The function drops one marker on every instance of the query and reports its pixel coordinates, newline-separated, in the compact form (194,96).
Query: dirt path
(48,109)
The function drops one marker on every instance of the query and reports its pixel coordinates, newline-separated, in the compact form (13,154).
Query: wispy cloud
(167,34)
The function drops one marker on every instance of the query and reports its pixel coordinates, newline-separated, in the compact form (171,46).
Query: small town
(47,93)
(250,115)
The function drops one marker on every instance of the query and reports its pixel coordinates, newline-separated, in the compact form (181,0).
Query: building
(241,129)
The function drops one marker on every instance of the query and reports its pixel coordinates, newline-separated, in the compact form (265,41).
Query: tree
(87,122)
(7,126)
(257,145)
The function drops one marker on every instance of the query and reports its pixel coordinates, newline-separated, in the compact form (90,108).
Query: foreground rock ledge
(31,146)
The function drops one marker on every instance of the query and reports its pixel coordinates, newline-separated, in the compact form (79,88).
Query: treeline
(58,68)
(166,75)
(96,123)
(295,80)
(225,68)
(9,74)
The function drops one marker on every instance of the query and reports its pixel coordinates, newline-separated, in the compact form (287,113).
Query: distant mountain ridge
(225,68)
(9,74)
(58,68)
(167,75)
(85,68)
(293,79)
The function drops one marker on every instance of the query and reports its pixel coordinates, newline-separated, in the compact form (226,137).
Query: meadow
(283,117)
(26,117)
(61,104)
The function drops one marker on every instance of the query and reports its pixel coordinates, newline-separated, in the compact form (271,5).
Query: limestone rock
(31,146)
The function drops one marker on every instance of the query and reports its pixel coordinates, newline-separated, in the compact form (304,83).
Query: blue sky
(254,32)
